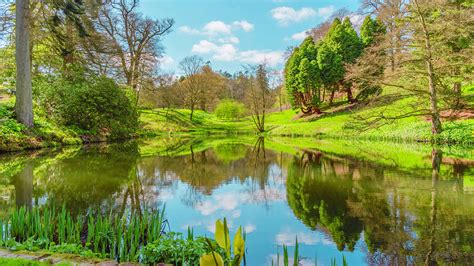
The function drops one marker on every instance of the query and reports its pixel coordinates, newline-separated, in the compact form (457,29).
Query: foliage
(96,105)
(302,79)
(230,110)
(232,256)
(321,201)
(112,236)
(370,30)
(173,248)
(331,65)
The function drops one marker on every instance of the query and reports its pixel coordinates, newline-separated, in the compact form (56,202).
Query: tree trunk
(331,98)
(436,127)
(350,98)
(457,95)
(436,159)
(24,98)
(191,114)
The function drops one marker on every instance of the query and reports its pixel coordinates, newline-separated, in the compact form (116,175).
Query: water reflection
(417,211)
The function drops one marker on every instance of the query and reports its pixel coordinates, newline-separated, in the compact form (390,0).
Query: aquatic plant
(112,236)
(233,256)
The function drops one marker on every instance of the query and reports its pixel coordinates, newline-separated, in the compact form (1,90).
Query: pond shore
(47,258)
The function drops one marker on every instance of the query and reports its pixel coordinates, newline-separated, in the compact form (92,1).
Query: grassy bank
(46,133)
(127,237)
(338,121)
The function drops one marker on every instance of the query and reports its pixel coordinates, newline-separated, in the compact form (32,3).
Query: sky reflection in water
(373,211)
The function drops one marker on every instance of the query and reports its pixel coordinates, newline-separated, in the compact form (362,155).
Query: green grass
(337,121)
(23,262)
(46,133)
(159,121)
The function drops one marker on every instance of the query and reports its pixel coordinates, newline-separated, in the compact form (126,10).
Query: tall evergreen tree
(302,77)
(343,40)
(331,68)
(370,29)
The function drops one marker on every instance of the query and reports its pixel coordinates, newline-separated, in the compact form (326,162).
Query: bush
(230,110)
(96,105)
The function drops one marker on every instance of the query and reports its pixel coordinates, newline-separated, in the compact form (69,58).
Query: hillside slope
(340,120)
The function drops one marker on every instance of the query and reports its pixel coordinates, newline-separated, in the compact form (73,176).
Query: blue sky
(233,33)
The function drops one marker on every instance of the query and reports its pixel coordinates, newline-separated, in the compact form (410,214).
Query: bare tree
(391,13)
(24,98)
(6,18)
(258,96)
(192,86)
(134,39)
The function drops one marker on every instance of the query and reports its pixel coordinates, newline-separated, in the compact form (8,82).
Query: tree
(433,58)
(391,14)
(343,39)
(192,86)
(24,97)
(65,22)
(369,68)
(213,85)
(331,68)
(302,79)
(370,30)
(258,96)
(133,39)
(230,110)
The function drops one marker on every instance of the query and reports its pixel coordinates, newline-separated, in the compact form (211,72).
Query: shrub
(230,110)
(96,105)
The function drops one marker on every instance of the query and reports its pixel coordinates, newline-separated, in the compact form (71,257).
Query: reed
(112,236)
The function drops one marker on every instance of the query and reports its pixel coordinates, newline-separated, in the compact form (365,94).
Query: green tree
(331,68)
(230,110)
(370,29)
(302,77)
(343,39)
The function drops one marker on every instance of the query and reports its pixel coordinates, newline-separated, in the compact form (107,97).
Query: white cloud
(286,15)
(228,52)
(204,47)
(218,27)
(299,36)
(288,238)
(224,52)
(244,25)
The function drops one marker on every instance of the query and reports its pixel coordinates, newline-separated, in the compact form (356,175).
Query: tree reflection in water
(404,220)
(396,216)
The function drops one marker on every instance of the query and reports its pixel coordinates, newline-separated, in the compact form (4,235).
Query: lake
(373,202)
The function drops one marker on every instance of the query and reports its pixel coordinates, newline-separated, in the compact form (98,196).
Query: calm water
(376,204)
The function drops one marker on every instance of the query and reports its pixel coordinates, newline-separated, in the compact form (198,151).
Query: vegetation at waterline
(338,122)
(126,238)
